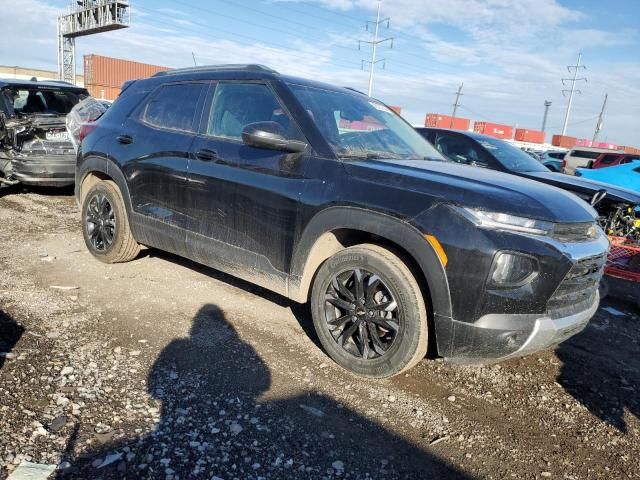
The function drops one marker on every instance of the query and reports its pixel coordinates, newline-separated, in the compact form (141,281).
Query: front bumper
(45,170)
(497,337)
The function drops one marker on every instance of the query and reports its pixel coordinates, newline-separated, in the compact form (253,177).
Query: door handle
(124,139)
(206,155)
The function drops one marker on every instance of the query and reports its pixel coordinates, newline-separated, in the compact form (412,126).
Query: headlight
(504,221)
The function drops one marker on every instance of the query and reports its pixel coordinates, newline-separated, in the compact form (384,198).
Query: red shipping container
(531,136)
(611,146)
(446,121)
(563,141)
(396,109)
(633,150)
(583,142)
(113,72)
(103,92)
(493,129)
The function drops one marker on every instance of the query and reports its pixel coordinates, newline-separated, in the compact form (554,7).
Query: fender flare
(105,166)
(385,226)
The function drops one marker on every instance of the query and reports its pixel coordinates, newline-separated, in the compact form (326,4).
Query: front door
(245,200)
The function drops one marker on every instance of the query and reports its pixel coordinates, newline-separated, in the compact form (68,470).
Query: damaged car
(616,205)
(35,148)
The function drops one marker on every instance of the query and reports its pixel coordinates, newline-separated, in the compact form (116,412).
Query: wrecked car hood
(476,187)
(585,186)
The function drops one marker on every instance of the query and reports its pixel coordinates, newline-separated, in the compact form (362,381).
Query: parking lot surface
(161,368)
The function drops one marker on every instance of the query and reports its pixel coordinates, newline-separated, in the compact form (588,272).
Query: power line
(374,45)
(575,68)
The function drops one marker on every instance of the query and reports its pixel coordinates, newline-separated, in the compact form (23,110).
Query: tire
(388,333)
(105,225)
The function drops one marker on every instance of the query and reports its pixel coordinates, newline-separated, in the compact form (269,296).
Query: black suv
(323,194)
(35,148)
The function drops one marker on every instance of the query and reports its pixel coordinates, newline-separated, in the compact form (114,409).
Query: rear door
(244,200)
(156,142)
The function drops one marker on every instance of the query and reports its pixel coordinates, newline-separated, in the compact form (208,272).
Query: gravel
(161,368)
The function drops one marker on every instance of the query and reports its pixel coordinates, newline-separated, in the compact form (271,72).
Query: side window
(460,150)
(608,159)
(236,105)
(174,106)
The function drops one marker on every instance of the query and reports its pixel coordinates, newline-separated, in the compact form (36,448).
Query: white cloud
(510,54)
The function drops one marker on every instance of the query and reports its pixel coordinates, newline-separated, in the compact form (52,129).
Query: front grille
(574,232)
(577,291)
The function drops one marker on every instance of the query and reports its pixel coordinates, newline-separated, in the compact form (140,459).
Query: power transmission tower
(575,69)
(457,103)
(600,119)
(547,104)
(374,46)
(86,17)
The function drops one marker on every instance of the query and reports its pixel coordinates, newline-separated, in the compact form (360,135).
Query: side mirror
(270,135)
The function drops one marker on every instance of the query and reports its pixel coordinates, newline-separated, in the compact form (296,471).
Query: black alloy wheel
(100,222)
(361,313)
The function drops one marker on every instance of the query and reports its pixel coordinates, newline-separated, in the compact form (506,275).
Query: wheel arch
(337,228)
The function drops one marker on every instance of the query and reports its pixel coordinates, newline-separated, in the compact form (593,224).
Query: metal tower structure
(575,69)
(374,46)
(87,17)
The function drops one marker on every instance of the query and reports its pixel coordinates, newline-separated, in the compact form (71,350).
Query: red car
(613,159)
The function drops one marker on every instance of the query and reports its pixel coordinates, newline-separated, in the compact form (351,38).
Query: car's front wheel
(105,225)
(369,312)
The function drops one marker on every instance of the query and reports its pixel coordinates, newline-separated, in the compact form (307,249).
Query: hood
(475,187)
(586,186)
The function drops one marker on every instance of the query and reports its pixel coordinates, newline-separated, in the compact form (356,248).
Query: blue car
(625,176)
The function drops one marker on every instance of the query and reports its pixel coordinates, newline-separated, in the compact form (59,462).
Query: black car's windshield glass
(29,101)
(358,127)
(512,158)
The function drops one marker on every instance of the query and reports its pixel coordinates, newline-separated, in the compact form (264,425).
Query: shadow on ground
(10,333)
(214,422)
(601,368)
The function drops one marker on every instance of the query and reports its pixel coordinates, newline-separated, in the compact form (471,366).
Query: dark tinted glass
(608,159)
(175,106)
(460,149)
(236,105)
(510,157)
(585,154)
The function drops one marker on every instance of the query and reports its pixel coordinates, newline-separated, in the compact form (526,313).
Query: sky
(510,54)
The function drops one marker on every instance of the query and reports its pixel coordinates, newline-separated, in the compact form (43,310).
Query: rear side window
(585,154)
(174,106)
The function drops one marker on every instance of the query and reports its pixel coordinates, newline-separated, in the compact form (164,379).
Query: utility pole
(374,46)
(575,69)
(457,103)
(600,119)
(195,62)
(547,104)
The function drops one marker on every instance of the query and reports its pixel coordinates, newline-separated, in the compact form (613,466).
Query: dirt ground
(161,368)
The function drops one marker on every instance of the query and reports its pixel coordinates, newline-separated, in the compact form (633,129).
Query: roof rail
(216,68)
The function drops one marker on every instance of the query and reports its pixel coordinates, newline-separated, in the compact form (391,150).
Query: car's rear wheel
(369,312)
(105,225)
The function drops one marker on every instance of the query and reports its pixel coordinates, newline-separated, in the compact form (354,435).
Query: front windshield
(510,157)
(358,127)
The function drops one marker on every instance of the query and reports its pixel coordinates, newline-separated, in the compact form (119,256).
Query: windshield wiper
(368,155)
